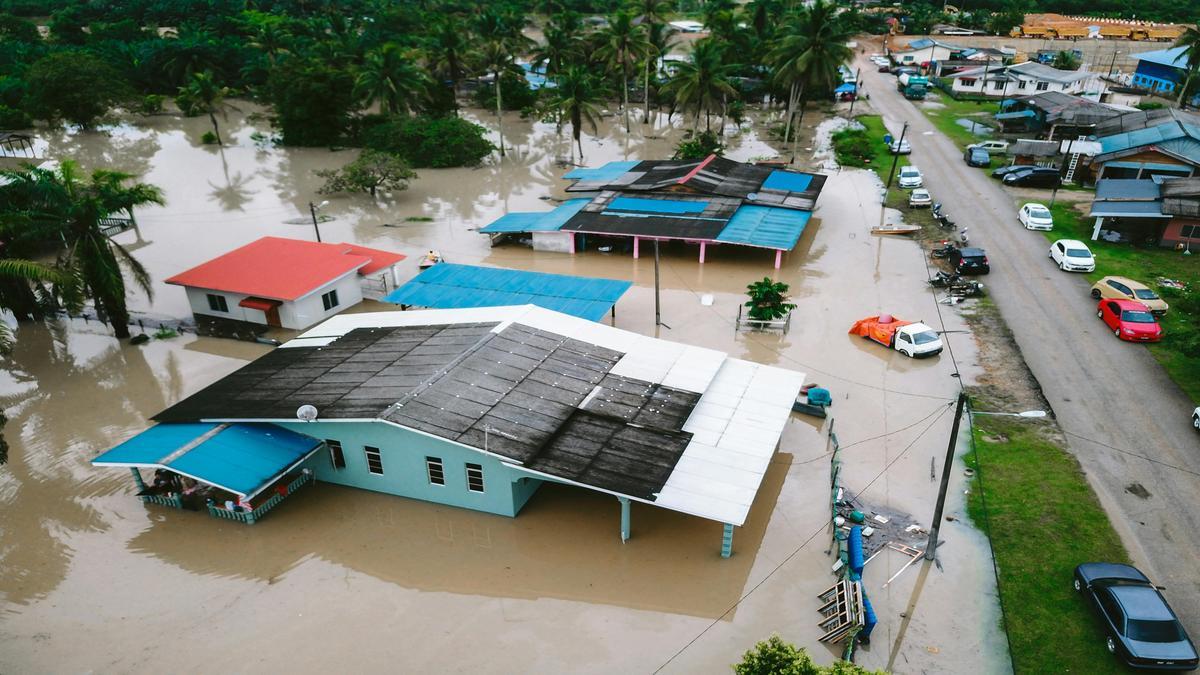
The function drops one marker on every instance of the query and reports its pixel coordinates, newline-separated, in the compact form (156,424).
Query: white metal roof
(736,425)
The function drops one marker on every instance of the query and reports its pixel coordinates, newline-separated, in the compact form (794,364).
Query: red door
(273,316)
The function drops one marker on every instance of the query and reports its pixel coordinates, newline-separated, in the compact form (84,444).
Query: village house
(1166,210)
(921,51)
(283,283)
(1055,115)
(474,408)
(1163,142)
(1162,71)
(1025,79)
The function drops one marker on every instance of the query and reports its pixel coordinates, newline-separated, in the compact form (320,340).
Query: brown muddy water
(93,580)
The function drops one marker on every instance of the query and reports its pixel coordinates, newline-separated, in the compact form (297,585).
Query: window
(1189,231)
(374,460)
(998,85)
(1021,84)
(433,465)
(217,303)
(329,300)
(475,478)
(336,456)
(1043,86)
(968,81)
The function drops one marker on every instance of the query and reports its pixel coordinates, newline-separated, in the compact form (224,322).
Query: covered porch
(236,471)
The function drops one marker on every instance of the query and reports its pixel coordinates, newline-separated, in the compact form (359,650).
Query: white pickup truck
(910,339)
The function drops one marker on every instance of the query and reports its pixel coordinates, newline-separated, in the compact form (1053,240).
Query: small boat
(896,229)
(429,260)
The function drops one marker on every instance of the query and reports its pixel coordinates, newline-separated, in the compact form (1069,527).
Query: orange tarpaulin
(878,328)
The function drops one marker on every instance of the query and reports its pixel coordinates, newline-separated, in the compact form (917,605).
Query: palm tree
(450,53)
(1190,41)
(202,95)
(653,15)
(497,59)
(391,77)
(623,44)
(578,97)
(563,46)
(59,200)
(1065,60)
(702,82)
(807,55)
(661,37)
(16,277)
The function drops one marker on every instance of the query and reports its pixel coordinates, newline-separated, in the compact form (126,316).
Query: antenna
(306,413)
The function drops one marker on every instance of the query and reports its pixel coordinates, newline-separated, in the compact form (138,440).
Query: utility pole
(896,156)
(857,90)
(657,305)
(312,208)
(931,547)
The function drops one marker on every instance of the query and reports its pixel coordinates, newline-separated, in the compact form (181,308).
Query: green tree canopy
(372,171)
(74,86)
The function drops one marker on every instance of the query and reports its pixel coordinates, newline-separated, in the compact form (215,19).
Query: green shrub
(699,146)
(1149,105)
(11,118)
(436,142)
(853,147)
(209,138)
(151,104)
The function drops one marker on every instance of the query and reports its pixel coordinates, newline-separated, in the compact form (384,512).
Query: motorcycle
(965,289)
(963,239)
(944,250)
(944,279)
(942,219)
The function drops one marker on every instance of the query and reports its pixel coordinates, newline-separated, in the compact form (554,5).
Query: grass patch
(870,152)
(946,116)
(1145,264)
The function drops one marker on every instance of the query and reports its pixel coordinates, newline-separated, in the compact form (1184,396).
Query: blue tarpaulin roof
(240,458)
(451,286)
(608,172)
(1015,115)
(788,181)
(538,221)
(676,206)
(845,88)
(765,226)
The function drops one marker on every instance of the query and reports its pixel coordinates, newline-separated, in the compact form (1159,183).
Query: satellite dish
(306,413)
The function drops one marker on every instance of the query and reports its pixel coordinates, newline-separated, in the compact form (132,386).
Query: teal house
(474,408)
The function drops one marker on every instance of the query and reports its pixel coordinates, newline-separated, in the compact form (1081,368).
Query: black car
(1038,176)
(1142,630)
(969,261)
(977,157)
(1005,170)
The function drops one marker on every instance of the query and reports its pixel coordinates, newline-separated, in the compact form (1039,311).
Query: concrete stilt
(624,518)
(137,478)
(636,242)
(571,245)
(727,541)
(778,258)
(702,245)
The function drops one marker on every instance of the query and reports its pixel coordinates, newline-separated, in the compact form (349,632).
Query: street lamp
(312,208)
(931,548)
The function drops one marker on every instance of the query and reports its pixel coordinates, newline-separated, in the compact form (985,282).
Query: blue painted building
(474,408)
(1161,71)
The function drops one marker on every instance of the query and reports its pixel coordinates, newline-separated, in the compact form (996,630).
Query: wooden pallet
(842,612)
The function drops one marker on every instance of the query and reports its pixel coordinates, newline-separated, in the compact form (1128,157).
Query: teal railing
(251,517)
(172,500)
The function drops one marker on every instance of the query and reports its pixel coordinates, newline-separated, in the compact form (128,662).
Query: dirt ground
(91,579)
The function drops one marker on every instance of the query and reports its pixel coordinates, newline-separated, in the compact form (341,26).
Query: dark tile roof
(543,400)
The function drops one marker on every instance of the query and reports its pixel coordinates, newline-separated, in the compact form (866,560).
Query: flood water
(92,579)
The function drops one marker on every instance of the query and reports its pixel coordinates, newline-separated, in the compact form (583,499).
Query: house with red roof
(285,283)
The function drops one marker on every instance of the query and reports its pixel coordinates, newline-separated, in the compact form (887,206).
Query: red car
(1129,320)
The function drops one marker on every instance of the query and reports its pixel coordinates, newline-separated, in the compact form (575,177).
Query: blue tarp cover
(1015,115)
(537,221)
(656,205)
(608,172)
(451,286)
(845,88)
(241,458)
(765,226)
(787,181)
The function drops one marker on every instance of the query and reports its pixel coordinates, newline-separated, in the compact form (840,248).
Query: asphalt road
(1128,424)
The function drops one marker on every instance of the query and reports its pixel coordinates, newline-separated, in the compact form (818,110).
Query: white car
(993,147)
(1035,217)
(1072,256)
(1196,418)
(910,177)
(900,147)
(919,197)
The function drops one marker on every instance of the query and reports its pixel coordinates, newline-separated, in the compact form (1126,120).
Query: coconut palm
(661,37)
(578,97)
(653,15)
(497,59)
(202,95)
(1190,41)
(702,83)
(450,52)
(563,46)
(16,280)
(390,77)
(808,51)
(61,201)
(622,45)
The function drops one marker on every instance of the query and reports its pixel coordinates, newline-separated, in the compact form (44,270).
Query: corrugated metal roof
(1126,189)
(548,221)
(1174,57)
(239,458)
(765,226)
(451,286)
(610,171)
(1103,209)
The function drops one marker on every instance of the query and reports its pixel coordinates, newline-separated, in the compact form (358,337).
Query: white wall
(932,53)
(559,242)
(297,315)
(1090,84)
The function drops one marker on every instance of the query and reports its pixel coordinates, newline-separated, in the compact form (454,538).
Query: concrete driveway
(1128,424)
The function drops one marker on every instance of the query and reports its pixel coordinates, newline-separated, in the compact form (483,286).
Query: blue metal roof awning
(1150,166)
(608,172)
(1102,209)
(451,286)
(241,458)
(765,226)
(1015,115)
(845,88)
(538,221)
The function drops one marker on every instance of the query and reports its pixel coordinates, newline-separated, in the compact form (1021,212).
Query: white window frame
(435,471)
(330,300)
(1042,86)
(369,450)
(475,471)
(217,302)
